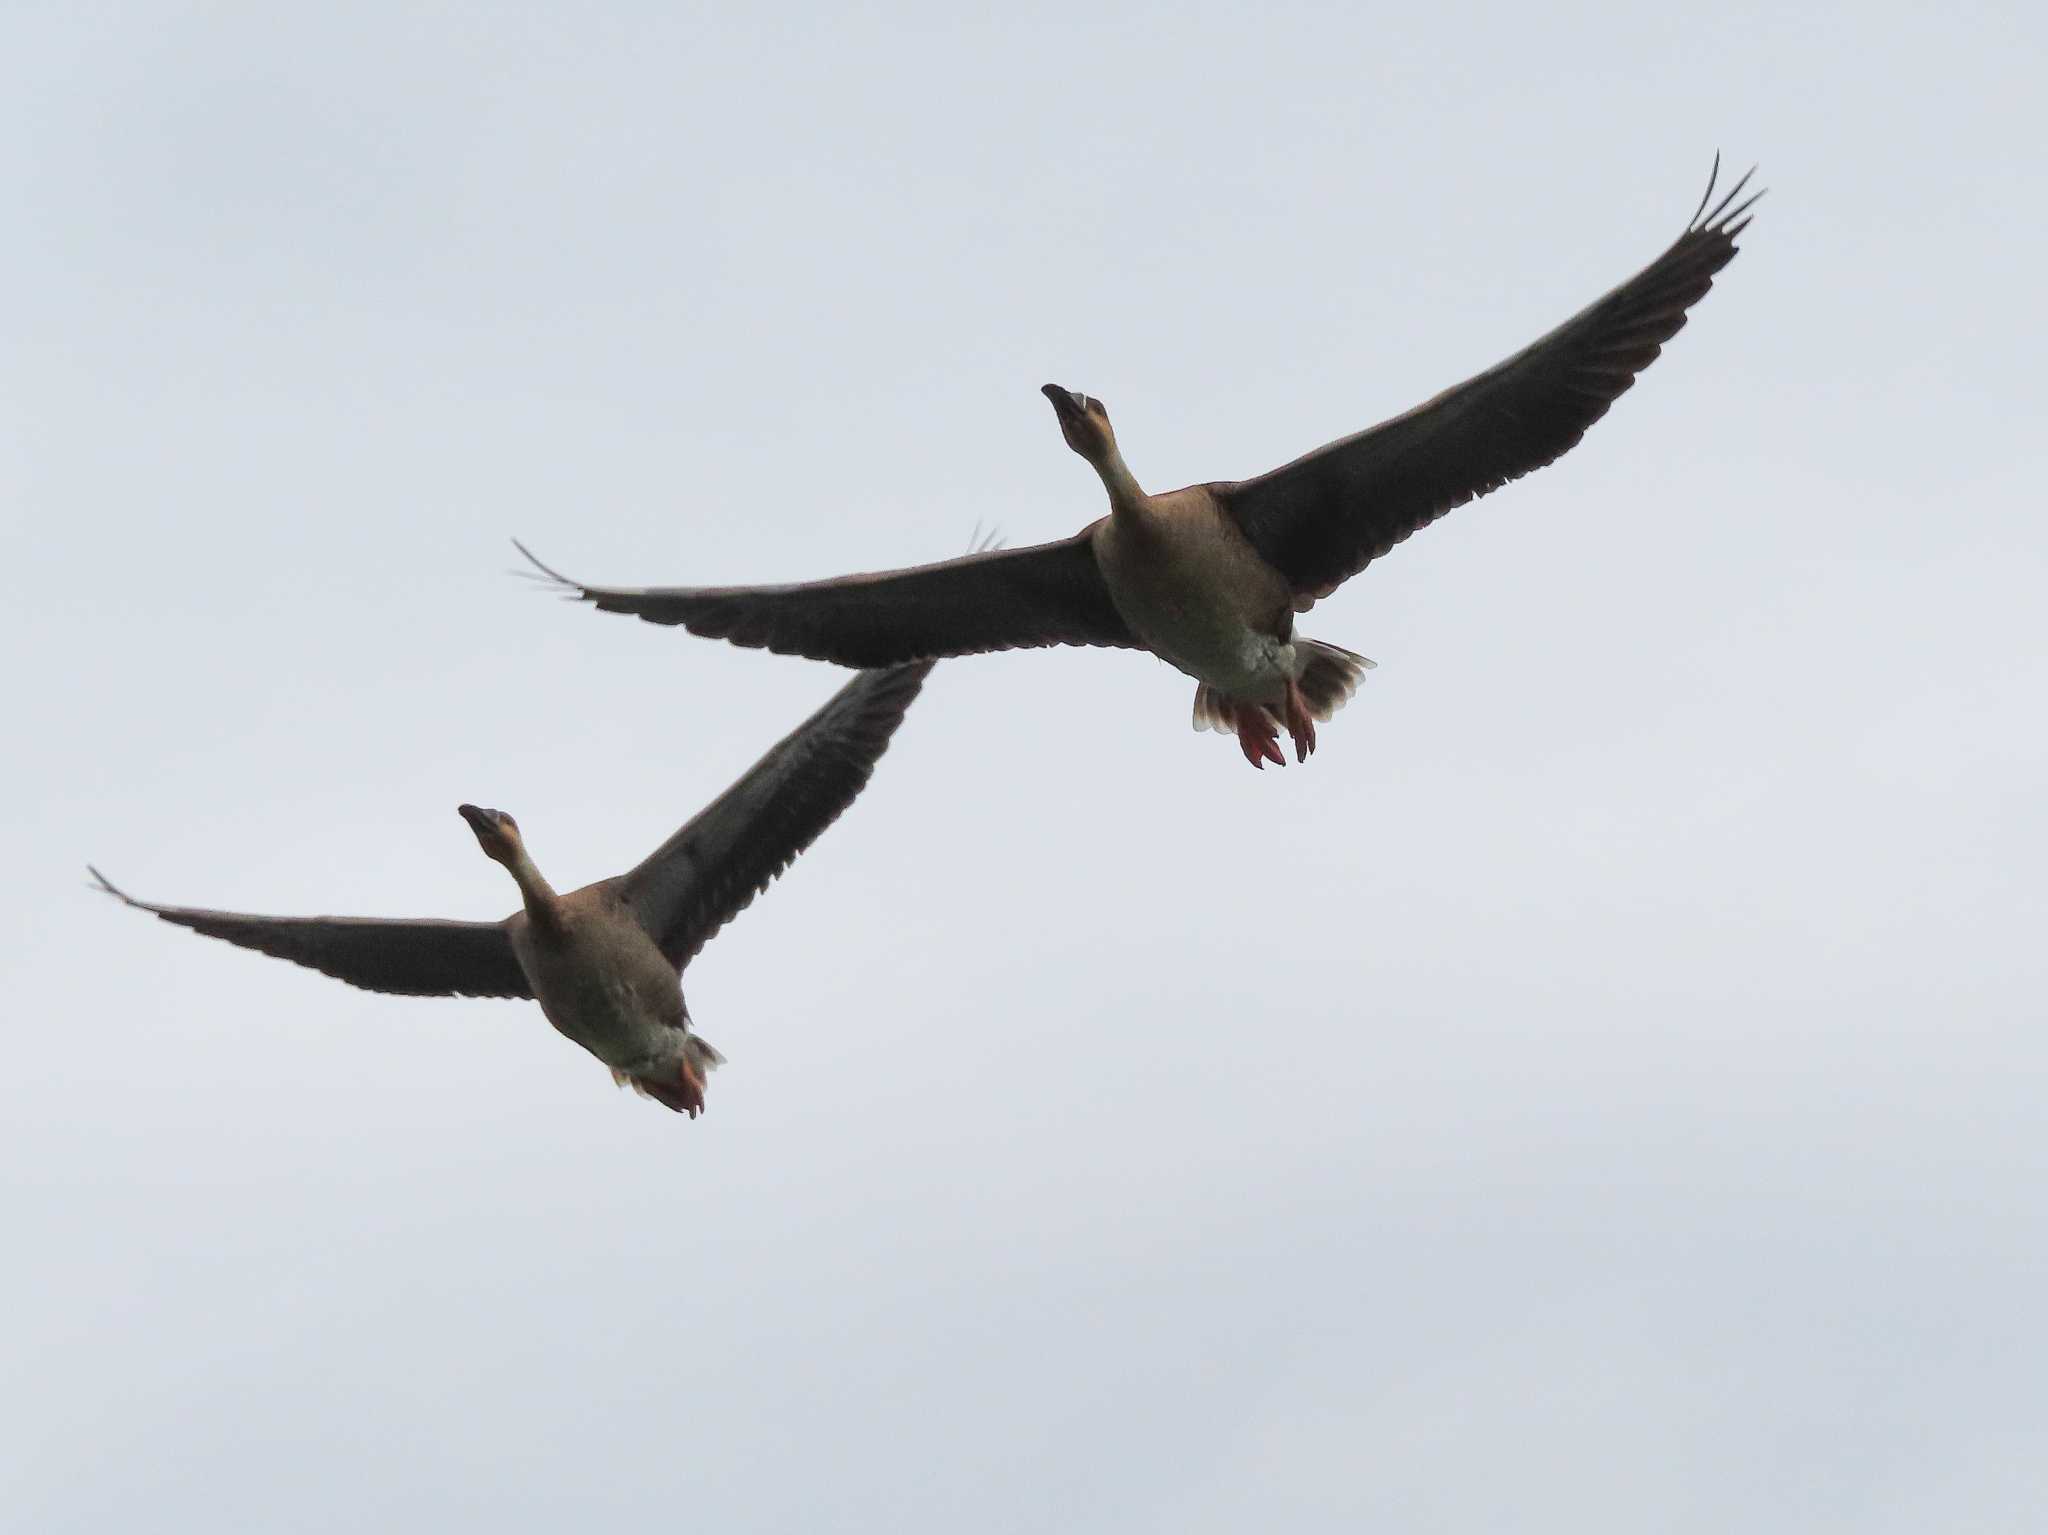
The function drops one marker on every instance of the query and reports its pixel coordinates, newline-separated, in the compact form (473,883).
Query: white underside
(1217,708)
(1243,665)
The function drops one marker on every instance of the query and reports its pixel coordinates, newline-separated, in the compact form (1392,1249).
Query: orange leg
(1258,737)
(1300,723)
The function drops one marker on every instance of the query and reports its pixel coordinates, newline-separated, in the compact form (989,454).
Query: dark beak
(480,821)
(1064,401)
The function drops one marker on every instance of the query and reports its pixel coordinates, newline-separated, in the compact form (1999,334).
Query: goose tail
(1330,674)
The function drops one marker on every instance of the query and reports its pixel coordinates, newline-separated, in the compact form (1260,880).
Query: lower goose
(1210,577)
(605,962)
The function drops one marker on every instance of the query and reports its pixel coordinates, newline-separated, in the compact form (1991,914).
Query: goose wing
(711,870)
(1326,516)
(415,957)
(1008,599)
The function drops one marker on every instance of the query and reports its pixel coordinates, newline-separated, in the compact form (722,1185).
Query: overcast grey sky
(1600,1092)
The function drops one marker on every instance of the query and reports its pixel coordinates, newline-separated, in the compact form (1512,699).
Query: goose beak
(1065,402)
(480,821)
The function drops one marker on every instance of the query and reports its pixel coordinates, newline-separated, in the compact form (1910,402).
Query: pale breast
(1187,582)
(604,984)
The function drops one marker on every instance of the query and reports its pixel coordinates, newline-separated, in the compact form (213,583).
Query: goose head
(496,833)
(1084,422)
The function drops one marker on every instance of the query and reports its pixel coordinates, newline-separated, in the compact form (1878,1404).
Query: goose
(1211,577)
(605,962)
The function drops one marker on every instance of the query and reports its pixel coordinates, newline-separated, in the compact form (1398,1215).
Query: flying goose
(604,962)
(1210,577)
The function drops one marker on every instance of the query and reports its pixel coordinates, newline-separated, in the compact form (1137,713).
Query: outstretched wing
(711,870)
(419,957)
(1325,517)
(1010,599)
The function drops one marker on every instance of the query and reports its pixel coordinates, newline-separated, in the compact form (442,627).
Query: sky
(1599,1092)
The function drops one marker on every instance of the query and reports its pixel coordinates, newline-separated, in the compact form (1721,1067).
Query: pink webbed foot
(1258,737)
(1301,724)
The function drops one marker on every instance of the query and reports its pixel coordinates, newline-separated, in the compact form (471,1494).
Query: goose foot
(1258,737)
(692,1095)
(1301,724)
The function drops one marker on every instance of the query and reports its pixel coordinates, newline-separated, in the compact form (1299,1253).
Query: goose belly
(626,1012)
(1232,658)
(1188,610)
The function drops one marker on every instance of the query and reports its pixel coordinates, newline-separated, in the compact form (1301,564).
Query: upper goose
(1210,577)
(604,962)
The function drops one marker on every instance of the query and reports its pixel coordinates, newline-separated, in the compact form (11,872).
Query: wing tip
(1726,211)
(889,691)
(547,575)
